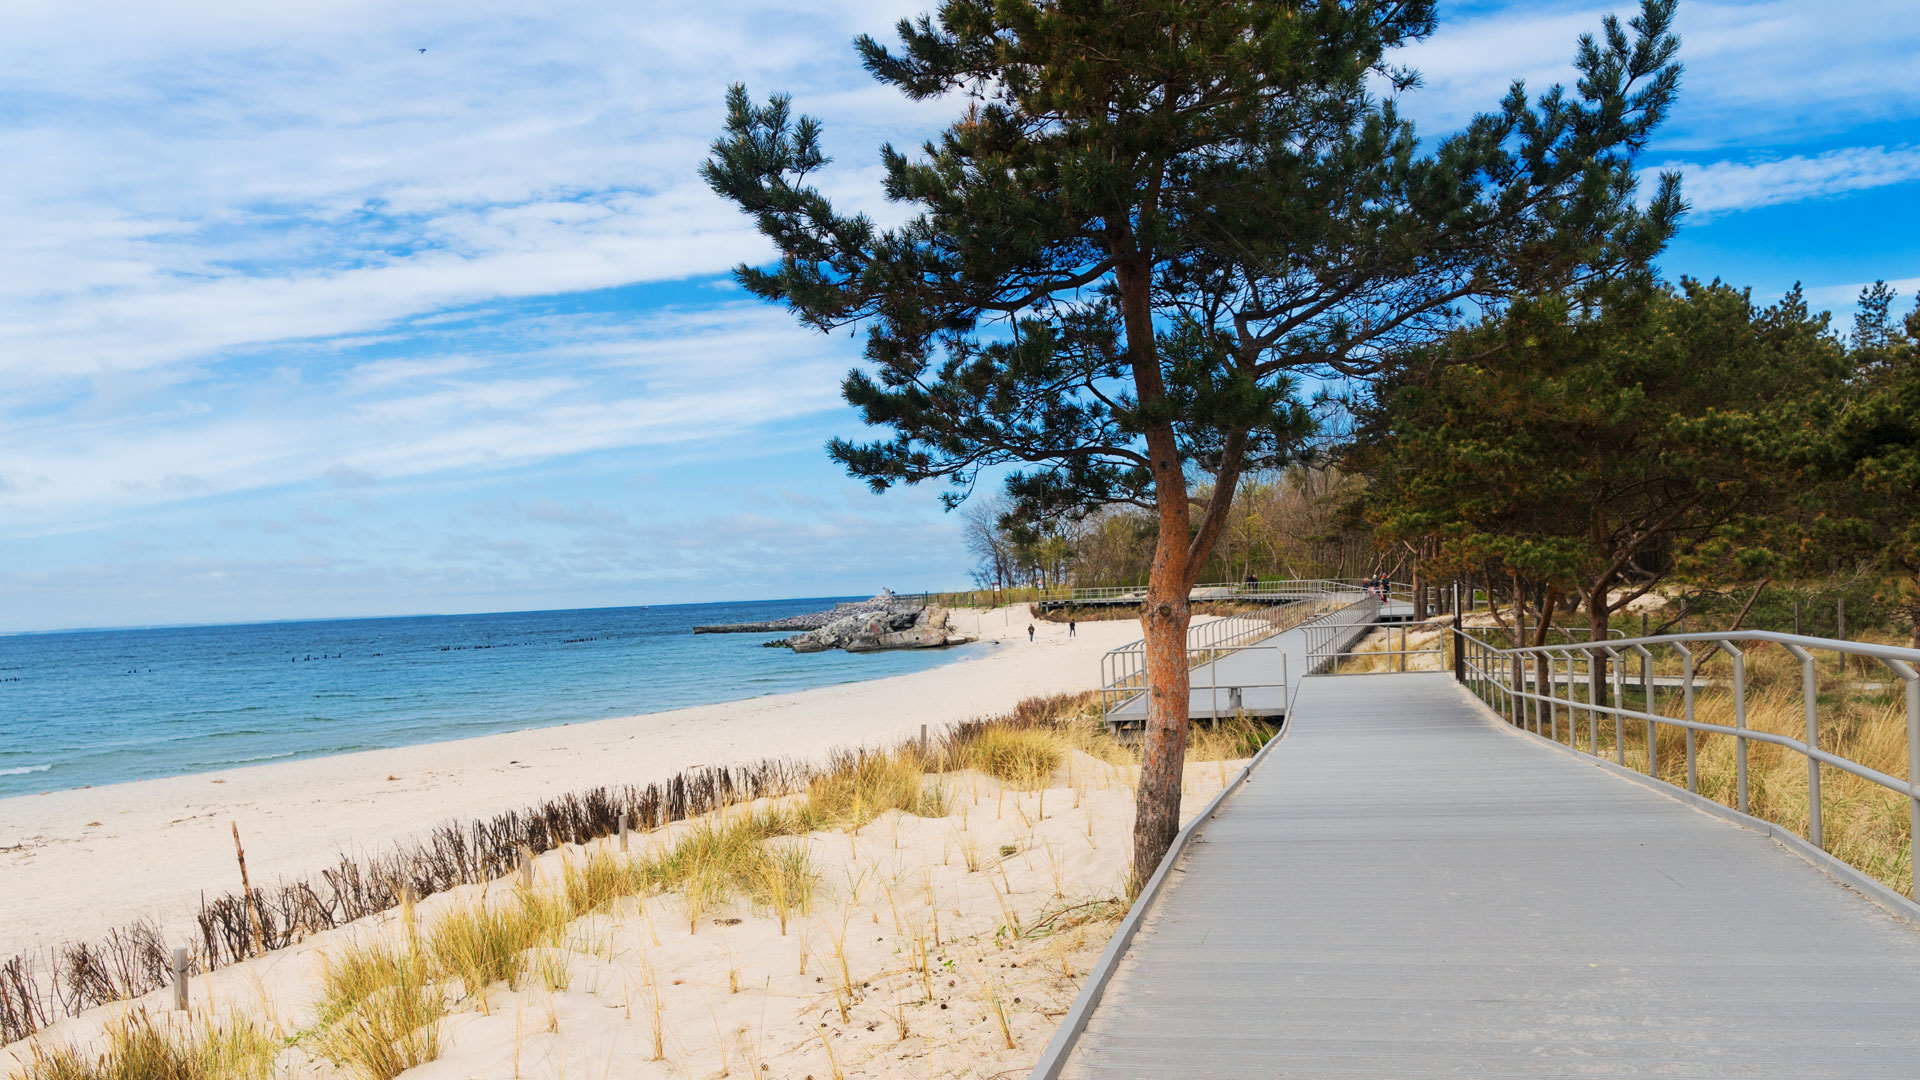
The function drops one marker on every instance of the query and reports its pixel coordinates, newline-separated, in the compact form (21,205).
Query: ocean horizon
(82,708)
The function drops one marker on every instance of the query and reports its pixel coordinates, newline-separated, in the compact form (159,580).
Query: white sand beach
(946,945)
(78,862)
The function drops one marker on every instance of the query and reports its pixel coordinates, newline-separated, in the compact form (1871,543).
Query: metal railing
(1524,686)
(1330,634)
(1287,589)
(1329,662)
(1123,670)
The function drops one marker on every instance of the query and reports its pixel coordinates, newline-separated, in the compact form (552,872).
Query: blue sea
(101,707)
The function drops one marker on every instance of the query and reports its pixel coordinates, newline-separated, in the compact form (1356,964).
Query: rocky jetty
(884,604)
(913,628)
(884,622)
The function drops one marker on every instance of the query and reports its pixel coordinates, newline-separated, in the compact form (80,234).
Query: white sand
(77,862)
(935,947)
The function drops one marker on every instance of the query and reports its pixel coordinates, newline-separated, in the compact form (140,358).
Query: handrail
(1219,590)
(1332,632)
(1528,699)
(1123,670)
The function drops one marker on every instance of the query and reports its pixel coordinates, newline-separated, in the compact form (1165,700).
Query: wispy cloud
(257,256)
(1721,186)
(1767,73)
(259,247)
(1842,297)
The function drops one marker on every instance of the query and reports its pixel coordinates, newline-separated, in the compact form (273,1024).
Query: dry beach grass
(916,910)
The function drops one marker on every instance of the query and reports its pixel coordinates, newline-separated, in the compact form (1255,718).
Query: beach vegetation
(379,1012)
(382,1000)
(137,1047)
(480,945)
(1024,758)
(857,787)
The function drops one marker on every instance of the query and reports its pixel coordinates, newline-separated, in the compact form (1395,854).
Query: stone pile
(884,604)
(875,630)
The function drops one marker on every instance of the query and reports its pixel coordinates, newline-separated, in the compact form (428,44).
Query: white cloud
(1723,186)
(1843,298)
(259,246)
(1770,73)
(575,385)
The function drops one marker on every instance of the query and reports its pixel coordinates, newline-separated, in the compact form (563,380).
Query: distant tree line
(1295,522)
(1749,464)
(1574,456)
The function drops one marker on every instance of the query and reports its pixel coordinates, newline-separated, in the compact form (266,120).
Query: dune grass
(1864,824)
(381,1005)
(380,1011)
(138,1048)
(860,786)
(1024,758)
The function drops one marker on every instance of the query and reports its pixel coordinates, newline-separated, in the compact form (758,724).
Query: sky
(298,320)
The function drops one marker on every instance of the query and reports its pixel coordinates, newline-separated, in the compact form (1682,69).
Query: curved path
(1406,889)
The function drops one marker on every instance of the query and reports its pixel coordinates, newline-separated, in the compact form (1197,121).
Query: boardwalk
(1405,890)
(1265,675)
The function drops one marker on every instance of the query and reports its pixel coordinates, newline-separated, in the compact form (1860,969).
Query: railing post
(1508,669)
(1686,711)
(1619,703)
(1550,676)
(1911,677)
(1810,695)
(1593,701)
(1739,720)
(1647,702)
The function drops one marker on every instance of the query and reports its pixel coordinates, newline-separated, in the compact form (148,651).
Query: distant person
(1072,627)
(1029,632)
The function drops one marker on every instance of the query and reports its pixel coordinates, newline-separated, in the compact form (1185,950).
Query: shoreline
(83,860)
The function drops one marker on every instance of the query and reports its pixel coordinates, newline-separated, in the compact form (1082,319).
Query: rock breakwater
(883,622)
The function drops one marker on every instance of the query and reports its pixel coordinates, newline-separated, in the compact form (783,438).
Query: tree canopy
(1587,452)
(1151,221)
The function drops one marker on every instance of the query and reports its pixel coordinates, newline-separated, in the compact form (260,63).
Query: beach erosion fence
(39,988)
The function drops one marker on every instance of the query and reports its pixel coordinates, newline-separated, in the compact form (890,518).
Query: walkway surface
(1403,889)
(1265,675)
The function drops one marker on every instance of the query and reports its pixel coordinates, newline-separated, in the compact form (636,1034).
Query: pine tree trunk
(1157,802)
(1169,586)
(1597,618)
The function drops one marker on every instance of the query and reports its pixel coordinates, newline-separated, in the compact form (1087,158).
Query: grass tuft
(1022,757)
(137,1048)
(381,1012)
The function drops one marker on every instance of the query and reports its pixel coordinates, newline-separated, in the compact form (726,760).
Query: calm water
(106,706)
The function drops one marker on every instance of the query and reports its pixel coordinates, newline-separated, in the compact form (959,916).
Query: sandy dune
(77,862)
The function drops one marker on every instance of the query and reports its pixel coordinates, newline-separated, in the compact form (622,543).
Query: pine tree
(1872,450)
(1153,222)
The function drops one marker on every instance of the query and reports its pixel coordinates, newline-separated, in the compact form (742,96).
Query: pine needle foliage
(1150,221)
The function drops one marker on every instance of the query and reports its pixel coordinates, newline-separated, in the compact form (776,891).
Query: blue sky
(298,321)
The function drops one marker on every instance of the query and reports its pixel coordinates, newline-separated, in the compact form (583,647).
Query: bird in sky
(423,50)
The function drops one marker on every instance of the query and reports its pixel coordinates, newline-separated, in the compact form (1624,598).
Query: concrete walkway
(1403,889)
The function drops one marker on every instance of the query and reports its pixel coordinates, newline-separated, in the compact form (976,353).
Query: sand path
(77,862)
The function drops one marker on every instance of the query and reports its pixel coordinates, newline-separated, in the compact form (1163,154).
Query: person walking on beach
(1072,627)
(1029,631)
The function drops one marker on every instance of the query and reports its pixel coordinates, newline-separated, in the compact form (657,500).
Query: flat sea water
(102,707)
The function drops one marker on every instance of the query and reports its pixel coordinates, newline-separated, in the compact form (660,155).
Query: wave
(24,770)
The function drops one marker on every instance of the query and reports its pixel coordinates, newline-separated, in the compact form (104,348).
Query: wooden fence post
(246,892)
(180,979)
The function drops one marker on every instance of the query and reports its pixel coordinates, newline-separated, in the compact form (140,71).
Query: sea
(105,706)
